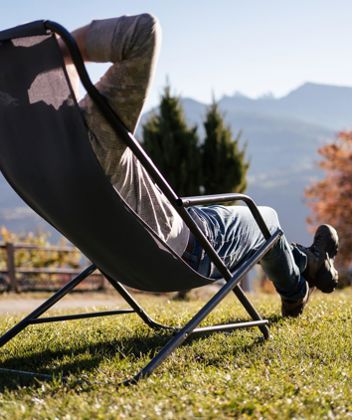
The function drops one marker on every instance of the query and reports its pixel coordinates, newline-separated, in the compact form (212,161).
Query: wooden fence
(16,278)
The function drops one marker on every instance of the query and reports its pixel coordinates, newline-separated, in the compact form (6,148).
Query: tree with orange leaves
(331,198)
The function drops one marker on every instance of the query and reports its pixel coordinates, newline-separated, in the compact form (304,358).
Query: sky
(223,46)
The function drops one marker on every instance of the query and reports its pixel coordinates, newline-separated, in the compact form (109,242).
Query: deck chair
(46,156)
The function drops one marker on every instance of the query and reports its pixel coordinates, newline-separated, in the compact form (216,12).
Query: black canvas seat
(46,156)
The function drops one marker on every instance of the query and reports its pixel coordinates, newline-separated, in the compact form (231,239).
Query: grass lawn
(303,371)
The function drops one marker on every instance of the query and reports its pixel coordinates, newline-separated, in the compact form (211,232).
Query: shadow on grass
(276,319)
(134,347)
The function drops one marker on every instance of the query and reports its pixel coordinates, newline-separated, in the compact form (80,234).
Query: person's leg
(235,235)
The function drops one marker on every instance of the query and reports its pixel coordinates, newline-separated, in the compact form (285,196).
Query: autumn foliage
(331,198)
(40,257)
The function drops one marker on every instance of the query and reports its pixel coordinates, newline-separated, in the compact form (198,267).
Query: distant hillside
(16,215)
(282,135)
(324,105)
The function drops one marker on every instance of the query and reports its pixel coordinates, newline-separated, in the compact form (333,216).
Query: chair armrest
(214,198)
(217,198)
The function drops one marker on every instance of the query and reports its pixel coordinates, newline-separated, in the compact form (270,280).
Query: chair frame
(232,280)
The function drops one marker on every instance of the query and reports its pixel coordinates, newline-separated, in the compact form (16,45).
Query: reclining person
(131,44)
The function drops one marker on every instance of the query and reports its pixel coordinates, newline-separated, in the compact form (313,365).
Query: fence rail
(14,274)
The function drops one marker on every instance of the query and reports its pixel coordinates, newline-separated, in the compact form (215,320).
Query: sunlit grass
(304,370)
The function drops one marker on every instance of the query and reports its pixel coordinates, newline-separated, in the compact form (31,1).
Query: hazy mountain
(16,215)
(282,135)
(324,105)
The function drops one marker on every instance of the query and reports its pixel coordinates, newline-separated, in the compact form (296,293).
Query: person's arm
(131,45)
(80,37)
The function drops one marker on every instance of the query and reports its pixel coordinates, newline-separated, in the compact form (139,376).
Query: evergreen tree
(223,162)
(173,146)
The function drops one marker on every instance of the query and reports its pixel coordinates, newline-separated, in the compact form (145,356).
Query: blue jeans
(235,236)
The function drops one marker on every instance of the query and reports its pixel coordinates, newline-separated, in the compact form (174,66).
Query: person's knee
(270,217)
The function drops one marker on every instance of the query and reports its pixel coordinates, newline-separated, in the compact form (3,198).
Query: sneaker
(295,308)
(320,271)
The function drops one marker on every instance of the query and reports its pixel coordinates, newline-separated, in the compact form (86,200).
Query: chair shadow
(276,319)
(137,348)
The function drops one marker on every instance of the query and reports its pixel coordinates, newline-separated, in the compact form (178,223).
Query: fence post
(101,286)
(11,267)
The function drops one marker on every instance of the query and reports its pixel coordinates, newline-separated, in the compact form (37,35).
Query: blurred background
(276,75)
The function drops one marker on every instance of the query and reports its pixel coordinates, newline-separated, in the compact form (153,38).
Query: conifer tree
(223,162)
(173,146)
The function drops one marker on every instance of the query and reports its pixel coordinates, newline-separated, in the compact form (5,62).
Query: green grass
(303,371)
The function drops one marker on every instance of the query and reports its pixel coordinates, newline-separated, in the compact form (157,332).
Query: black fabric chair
(45,155)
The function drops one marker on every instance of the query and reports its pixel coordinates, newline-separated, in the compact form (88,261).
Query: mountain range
(282,137)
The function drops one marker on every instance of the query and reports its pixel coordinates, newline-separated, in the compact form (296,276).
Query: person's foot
(295,308)
(320,271)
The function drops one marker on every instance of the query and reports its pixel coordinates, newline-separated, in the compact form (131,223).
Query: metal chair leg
(46,305)
(251,310)
(137,307)
(181,334)
(190,327)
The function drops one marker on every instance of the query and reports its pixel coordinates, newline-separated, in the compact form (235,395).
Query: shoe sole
(328,230)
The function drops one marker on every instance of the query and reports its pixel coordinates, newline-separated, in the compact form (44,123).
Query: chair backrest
(46,156)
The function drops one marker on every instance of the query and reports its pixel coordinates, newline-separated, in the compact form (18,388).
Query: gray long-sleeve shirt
(131,43)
